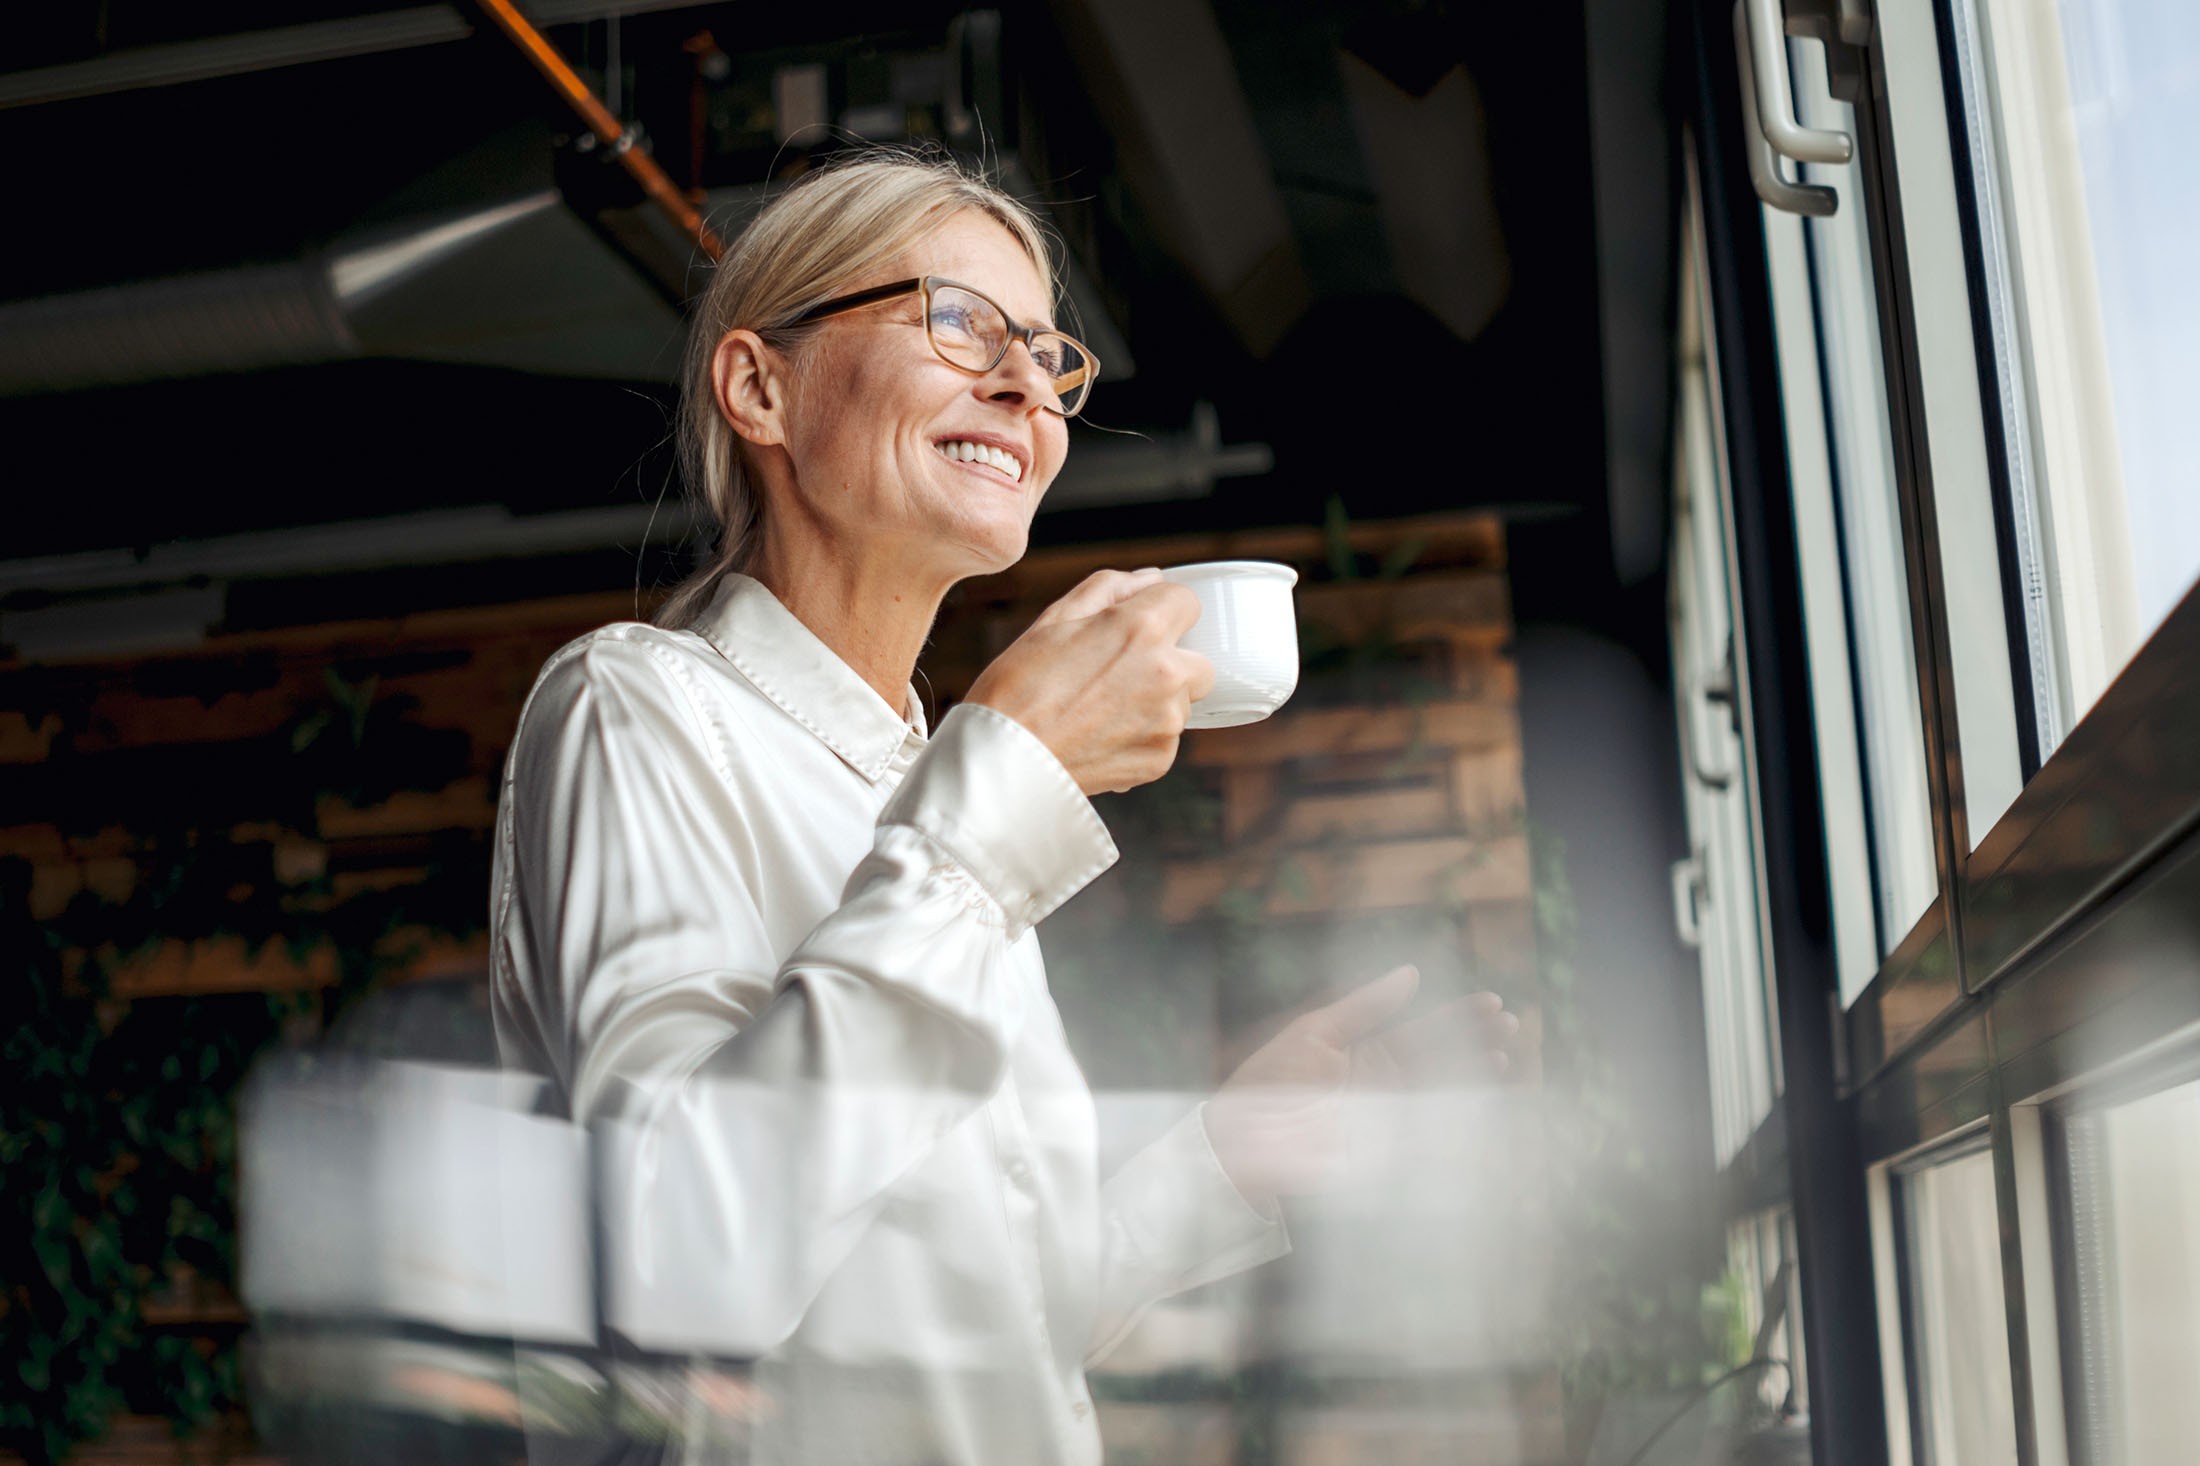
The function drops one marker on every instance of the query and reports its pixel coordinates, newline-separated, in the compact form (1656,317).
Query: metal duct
(228,320)
(427,289)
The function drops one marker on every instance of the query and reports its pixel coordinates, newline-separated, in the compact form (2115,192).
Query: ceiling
(268,274)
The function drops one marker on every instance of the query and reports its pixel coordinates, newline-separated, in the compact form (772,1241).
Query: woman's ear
(748,380)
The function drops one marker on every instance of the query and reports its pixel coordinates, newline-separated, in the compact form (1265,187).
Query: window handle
(1766,49)
(1811,200)
(1688,894)
(1707,690)
(1716,688)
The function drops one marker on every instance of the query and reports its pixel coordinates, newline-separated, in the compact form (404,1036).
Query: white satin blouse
(775,946)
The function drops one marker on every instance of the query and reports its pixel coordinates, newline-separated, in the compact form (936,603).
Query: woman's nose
(1018,378)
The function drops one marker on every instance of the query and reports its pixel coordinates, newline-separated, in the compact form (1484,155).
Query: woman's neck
(871,610)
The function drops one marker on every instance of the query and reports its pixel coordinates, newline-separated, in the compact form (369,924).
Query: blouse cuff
(1190,1223)
(994,797)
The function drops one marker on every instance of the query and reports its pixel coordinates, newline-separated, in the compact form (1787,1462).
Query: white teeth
(1000,458)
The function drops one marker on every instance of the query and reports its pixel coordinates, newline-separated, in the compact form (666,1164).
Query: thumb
(1360,1012)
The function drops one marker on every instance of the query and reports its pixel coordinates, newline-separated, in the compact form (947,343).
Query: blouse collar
(806,678)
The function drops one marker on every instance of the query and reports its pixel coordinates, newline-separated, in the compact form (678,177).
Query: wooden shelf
(1048,571)
(1439,871)
(222,965)
(229,965)
(1461,724)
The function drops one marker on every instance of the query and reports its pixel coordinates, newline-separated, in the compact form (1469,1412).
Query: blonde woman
(775,938)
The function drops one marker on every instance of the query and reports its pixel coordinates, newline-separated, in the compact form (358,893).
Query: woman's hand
(1100,680)
(1278,1124)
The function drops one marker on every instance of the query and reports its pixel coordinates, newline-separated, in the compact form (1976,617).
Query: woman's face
(873,407)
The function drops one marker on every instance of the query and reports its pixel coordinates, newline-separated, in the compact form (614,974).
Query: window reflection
(1871,544)
(1959,1344)
(2133,1188)
(1718,888)
(2089,201)
(1822,279)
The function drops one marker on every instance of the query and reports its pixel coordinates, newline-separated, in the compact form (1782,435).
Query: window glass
(1718,890)
(1973,606)
(1869,526)
(1960,1341)
(2077,116)
(1761,1261)
(2134,1203)
(1866,712)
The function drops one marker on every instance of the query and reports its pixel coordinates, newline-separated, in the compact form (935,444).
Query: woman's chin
(990,549)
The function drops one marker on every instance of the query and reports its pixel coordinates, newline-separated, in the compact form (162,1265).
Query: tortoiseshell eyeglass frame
(1016,332)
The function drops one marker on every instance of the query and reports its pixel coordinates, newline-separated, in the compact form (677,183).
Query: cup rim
(1230,569)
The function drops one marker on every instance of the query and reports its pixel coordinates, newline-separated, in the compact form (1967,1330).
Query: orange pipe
(569,85)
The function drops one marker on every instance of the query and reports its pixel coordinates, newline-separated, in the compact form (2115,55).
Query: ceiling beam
(140,67)
(1161,76)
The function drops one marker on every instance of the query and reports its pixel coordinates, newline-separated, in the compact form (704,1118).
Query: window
(2088,201)
(1761,1258)
(2131,1203)
(1959,1326)
(1719,890)
(1956,467)
(1866,710)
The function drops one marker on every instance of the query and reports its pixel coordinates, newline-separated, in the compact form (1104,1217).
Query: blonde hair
(817,240)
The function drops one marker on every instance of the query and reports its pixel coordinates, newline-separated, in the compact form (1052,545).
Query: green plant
(117,1123)
(1623,1319)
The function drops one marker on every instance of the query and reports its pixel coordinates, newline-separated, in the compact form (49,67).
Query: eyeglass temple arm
(861,298)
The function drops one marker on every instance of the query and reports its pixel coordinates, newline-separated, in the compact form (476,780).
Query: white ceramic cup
(1248,628)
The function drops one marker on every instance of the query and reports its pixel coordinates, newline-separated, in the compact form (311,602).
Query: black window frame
(2039,954)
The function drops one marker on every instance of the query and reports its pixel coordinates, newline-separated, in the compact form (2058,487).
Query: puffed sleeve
(751,1113)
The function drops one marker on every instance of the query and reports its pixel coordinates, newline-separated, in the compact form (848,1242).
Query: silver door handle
(1812,200)
(1775,109)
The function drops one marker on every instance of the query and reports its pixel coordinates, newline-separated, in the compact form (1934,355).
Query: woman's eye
(1049,359)
(956,318)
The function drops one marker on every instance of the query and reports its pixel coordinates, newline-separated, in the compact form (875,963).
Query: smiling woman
(833,236)
(772,938)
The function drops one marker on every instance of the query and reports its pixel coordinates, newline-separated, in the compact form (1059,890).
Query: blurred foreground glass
(971,332)
(1959,1341)
(2133,1178)
(2088,196)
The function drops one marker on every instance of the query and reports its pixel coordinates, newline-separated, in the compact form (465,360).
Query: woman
(773,937)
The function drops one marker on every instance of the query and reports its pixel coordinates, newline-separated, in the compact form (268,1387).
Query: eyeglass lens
(969,331)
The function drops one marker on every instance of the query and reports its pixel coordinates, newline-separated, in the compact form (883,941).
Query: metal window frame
(2042,959)
(1820,1155)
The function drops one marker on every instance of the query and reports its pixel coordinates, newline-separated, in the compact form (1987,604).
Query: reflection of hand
(1278,1123)
(1100,680)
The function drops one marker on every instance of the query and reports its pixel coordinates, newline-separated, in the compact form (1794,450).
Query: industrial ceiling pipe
(568,84)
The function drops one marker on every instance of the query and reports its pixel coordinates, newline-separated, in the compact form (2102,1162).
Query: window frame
(2041,964)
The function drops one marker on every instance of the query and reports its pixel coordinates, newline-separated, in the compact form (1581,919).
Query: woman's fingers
(1202,674)
(1359,1013)
(1101,680)
(1464,1031)
(1096,593)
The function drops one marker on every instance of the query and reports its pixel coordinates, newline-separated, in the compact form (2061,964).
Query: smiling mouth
(962,450)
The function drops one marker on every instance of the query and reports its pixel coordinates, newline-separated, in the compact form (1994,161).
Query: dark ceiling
(1366,233)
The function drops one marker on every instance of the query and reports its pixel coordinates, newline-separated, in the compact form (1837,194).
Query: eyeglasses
(970,332)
